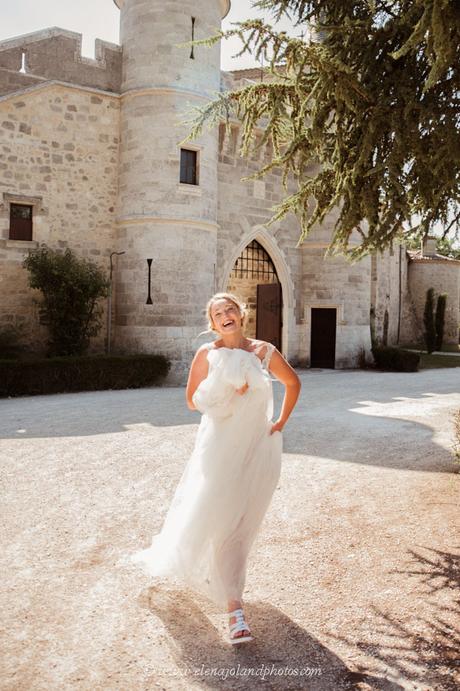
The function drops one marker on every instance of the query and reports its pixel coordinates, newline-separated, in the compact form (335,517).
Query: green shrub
(88,373)
(395,359)
(10,342)
(428,321)
(386,324)
(71,288)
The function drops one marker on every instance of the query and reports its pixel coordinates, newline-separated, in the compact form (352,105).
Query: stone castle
(91,158)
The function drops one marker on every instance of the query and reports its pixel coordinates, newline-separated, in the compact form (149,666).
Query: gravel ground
(351,582)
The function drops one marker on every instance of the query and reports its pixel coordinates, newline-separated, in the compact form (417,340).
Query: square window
(189,167)
(20,222)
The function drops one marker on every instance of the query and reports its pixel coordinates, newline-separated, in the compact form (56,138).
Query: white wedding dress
(227,483)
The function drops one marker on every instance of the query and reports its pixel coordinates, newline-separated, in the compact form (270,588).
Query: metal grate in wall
(255,262)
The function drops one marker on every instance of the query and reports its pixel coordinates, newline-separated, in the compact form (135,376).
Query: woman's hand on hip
(243,389)
(277,426)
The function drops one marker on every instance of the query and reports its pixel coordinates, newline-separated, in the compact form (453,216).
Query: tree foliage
(446,247)
(71,288)
(372,99)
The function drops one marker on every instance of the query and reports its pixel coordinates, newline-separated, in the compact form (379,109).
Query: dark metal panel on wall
(269,313)
(323,337)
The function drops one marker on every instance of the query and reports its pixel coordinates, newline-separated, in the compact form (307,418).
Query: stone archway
(277,258)
(255,281)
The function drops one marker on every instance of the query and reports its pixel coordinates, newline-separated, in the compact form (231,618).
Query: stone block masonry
(94,147)
(55,54)
(59,151)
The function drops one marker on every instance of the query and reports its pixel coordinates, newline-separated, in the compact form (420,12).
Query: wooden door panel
(269,312)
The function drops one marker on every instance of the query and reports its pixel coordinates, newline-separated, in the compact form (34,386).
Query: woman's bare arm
(198,371)
(283,371)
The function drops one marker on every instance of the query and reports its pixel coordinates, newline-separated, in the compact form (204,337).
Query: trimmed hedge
(86,373)
(395,359)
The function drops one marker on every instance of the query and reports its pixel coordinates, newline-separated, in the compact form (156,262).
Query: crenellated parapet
(54,54)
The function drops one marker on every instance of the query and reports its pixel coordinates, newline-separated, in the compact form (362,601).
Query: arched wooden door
(255,280)
(269,311)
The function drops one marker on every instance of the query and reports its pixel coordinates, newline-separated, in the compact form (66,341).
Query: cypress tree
(440,314)
(372,98)
(386,322)
(428,321)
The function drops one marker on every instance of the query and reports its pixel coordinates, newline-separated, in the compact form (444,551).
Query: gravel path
(351,582)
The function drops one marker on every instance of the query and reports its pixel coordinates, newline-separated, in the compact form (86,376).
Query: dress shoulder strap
(268,355)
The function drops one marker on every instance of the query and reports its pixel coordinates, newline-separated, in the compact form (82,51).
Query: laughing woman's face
(226,316)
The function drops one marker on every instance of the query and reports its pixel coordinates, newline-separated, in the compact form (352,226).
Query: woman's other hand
(277,427)
(283,371)
(243,389)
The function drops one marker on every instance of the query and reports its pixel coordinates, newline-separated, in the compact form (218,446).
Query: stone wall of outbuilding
(58,153)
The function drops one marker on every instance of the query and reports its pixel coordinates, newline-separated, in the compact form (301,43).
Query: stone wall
(59,153)
(159,217)
(243,209)
(314,280)
(55,54)
(391,299)
(101,171)
(333,282)
(444,276)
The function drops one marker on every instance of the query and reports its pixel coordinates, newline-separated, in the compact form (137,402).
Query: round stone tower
(167,198)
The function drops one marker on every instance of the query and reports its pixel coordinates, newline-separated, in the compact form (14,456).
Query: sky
(100,19)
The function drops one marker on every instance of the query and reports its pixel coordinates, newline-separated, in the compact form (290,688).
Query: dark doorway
(323,329)
(269,312)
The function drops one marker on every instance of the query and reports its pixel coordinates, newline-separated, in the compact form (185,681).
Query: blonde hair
(231,297)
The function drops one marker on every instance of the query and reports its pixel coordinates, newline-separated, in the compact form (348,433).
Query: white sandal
(239,625)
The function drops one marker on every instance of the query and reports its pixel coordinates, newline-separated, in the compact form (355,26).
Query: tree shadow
(424,650)
(282,655)
(94,412)
(360,405)
(440,572)
(358,412)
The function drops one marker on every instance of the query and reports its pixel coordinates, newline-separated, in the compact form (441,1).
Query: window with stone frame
(21,220)
(255,263)
(189,167)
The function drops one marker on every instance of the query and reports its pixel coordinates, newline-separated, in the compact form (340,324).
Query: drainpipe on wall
(400,294)
(372,313)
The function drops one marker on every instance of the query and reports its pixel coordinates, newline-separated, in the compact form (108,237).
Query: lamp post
(109,302)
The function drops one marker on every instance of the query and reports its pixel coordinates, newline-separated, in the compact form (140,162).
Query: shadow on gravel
(422,651)
(282,655)
(337,415)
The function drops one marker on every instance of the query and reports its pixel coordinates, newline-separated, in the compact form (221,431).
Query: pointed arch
(278,258)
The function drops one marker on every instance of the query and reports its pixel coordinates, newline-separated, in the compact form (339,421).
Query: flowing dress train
(227,484)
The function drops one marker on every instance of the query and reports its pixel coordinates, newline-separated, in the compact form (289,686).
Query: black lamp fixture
(109,302)
(149,297)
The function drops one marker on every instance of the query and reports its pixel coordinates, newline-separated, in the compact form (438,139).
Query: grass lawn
(451,348)
(430,361)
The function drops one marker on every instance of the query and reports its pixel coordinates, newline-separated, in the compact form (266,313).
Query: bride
(228,482)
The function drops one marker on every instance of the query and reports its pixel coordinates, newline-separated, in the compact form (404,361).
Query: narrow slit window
(23,69)
(192,50)
(189,167)
(20,222)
